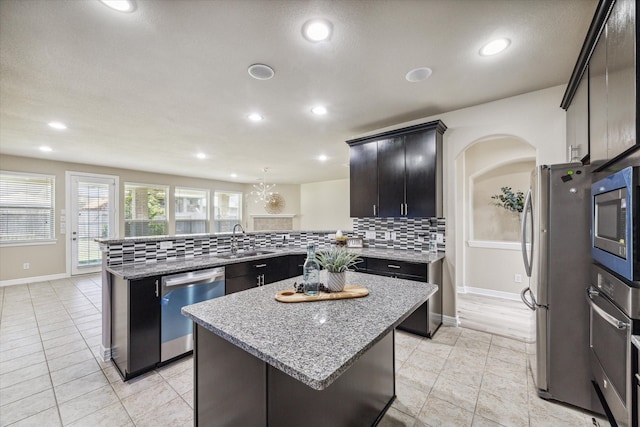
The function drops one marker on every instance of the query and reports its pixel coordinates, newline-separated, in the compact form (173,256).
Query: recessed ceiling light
(495,47)
(418,74)
(260,71)
(57,125)
(255,117)
(319,110)
(201,156)
(323,158)
(317,30)
(234,175)
(119,5)
(46,149)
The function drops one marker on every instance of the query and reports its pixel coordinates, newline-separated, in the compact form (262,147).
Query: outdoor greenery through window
(145,210)
(26,207)
(192,211)
(227,207)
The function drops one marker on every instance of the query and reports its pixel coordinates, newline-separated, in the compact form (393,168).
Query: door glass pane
(93,221)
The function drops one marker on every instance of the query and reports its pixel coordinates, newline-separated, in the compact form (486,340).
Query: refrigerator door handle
(531,304)
(528,215)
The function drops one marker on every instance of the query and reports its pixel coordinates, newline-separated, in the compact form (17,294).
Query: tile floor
(51,373)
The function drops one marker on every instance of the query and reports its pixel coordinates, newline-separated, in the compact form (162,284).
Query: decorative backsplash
(410,234)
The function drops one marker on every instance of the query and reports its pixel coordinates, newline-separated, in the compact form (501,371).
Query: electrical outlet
(439,238)
(392,235)
(370,234)
(166,244)
(518,278)
(26,266)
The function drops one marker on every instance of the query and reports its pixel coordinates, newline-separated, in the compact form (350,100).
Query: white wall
(325,206)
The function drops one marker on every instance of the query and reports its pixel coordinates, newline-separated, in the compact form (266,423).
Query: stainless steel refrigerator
(557,256)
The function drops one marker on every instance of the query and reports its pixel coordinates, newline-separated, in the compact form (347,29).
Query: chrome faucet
(234,238)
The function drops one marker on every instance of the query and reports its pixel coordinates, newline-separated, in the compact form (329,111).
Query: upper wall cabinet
(398,173)
(606,74)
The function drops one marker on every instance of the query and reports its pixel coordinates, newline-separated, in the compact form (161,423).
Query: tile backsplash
(408,233)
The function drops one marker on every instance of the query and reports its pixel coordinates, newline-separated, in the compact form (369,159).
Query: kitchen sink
(240,255)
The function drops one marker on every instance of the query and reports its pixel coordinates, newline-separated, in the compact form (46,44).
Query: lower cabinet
(246,275)
(135,325)
(427,318)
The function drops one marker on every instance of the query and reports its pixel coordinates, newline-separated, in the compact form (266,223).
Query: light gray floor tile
(456,393)
(25,350)
(395,418)
(24,389)
(437,412)
(18,340)
(73,372)
(58,333)
(70,338)
(408,399)
(417,377)
(87,404)
(188,397)
(22,362)
(63,350)
(501,410)
(181,382)
(501,386)
(177,367)
(173,413)
(80,386)
(27,407)
(23,374)
(137,384)
(140,404)
(113,415)
(48,417)
(69,360)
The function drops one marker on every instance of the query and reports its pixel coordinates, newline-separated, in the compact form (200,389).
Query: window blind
(26,207)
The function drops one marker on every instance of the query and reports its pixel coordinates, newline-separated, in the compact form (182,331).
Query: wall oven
(614,307)
(615,217)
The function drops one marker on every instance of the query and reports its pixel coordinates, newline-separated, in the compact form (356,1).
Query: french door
(92,215)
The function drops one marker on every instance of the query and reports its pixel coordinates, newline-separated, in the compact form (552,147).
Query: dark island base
(234,388)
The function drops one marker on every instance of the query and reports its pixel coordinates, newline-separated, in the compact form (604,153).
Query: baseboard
(488,293)
(450,321)
(35,279)
(105,353)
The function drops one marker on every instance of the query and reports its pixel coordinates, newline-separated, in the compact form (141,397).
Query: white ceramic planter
(336,281)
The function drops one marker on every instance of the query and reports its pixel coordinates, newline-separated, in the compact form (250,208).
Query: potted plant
(337,262)
(513,202)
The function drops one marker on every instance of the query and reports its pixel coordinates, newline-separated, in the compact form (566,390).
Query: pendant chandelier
(262,191)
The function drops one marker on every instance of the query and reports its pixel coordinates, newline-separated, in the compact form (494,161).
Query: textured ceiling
(150,89)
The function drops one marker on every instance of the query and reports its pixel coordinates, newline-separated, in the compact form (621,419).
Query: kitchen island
(262,362)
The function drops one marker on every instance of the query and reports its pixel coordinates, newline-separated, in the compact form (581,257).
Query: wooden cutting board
(350,291)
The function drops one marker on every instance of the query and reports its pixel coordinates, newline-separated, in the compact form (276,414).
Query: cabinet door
(277,269)
(363,180)
(144,323)
(391,177)
(295,265)
(621,78)
(239,283)
(421,157)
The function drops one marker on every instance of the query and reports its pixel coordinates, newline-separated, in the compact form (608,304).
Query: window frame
(51,238)
(208,220)
(167,209)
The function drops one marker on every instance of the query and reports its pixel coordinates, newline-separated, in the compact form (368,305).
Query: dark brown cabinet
(606,75)
(427,318)
(398,173)
(363,180)
(251,274)
(135,325)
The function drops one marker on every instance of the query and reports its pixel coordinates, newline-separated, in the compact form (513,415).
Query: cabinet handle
(261,265)
(374,210)
(157,290)
(393,266)
(401,209)
(258,280)
(406,210)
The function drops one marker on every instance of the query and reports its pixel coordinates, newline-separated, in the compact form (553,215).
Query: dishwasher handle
(193,278)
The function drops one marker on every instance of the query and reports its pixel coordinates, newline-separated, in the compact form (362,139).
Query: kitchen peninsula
(262,362)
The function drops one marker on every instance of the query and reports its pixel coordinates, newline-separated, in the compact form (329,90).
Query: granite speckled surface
(313,342)
(135,271)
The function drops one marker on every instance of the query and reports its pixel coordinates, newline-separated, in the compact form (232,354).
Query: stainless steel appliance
(614,307)
(178,290)
(615,218)
(557,257)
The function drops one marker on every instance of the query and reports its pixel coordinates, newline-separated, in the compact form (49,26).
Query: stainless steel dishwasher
(179,290)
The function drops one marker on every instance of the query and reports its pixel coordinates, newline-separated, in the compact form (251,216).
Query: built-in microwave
(614,225)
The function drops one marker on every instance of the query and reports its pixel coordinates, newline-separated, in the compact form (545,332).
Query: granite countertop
(135,271)
(314,342)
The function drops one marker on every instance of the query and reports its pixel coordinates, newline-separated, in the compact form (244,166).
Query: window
(145,210)
(227,207)
(192,211)
(26,207)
